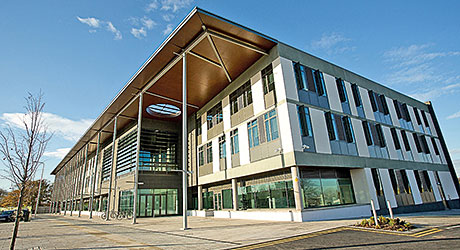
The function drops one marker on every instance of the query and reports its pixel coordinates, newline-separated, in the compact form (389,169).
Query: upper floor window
(198,126)
(222,147)
(374,134)
(305,121)
(380,107)
(395,139)
(341,89)
(240,98)
(435,146)
(214,115)
(271,125)
(268,79)
(201,156)
(309,79)
(209,152)
(356,95)
(425,121)
(234,142)
(417,118)
(339,128)
(253,134)
(403,115)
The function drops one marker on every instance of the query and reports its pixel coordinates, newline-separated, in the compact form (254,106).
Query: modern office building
(271,132)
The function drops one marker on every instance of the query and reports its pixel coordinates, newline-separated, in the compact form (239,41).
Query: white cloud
(58,153)
(332,43)
(152,6)
(175,5)
(90,21)
(436,92)
(168,29)
(416,64)
(95,23)
(139,33)
(453,116)
(168,17)
(65,128)
(114,30)
(148,23)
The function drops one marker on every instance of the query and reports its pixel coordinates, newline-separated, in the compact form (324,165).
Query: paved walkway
(65,232)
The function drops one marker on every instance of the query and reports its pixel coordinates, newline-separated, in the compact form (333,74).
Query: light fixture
(163,110)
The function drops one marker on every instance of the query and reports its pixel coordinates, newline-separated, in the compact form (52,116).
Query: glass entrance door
(145,205)
(160,204)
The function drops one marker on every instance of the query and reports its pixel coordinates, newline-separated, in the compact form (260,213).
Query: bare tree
(21,150)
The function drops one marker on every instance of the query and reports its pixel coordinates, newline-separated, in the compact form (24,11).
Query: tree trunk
(16,222)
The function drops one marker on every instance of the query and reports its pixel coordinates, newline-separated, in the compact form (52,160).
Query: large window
(268,195)
(201,156)
(425,121)
(126,153)
(126,201)
(208,200)
(305,121)
(422,147)
(358,100)
(380,108)
(326,187)
(399,181)
(209,152)
(227,199)
(253,134)
(198,126)
(396,143)
(271,125)
(222,147)
(158,150)
(268,79)
(375,139)
(106,163)
(311,86)
(235,147)
(214,115)
(240,98)
(403,115)
(340,134)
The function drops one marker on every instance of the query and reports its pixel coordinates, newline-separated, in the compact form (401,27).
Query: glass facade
(126,200)
(269,195)
(322,187)
(208,202)
(157,202)
(253,134)
(271,125)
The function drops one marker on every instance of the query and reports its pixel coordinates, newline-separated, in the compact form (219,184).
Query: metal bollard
(374,212)
(390,209)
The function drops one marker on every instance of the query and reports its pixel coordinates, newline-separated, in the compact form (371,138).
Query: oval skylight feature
(163,110)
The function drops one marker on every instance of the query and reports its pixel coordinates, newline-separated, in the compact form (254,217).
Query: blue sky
(81,53)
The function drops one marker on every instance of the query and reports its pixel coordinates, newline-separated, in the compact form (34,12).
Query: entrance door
(160,204)
(145,205)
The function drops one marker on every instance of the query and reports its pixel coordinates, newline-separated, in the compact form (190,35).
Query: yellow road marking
(424,231)
(428,233)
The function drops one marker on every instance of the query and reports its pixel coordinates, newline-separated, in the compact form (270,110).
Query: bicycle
(112,215)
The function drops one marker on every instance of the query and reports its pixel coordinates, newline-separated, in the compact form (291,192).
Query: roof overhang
(218,51)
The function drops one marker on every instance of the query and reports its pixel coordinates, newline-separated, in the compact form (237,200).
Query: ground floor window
(227,199)
(208,202)
(150,202)
(326,187)
(268,195)
(126,201)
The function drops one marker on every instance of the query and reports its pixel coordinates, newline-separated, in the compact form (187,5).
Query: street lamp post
(39,189)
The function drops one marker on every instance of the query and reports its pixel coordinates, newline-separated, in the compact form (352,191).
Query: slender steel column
(138,151)
(65,189)
(184,139)
(93,188)
(72,187)
(83,181)
(111,168)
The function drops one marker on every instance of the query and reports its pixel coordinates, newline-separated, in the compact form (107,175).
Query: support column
(296,186)
(138,151)
(65,189)
(93,188)
(234,194)
(184,139)
(200,197)
(109,195)
(82,182)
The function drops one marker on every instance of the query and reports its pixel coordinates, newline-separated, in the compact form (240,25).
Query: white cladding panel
(434,184)
(392,109)
(431,123)
(351,100)
(228,150)
(387,187)
(215,154)
(280,87)
(359,137)
(289,79)
(285,126)
(226,114)
(204,130)
(410,138)
(414,187)
(257,94)
(390,143)
(318,123)
(412,117)
(244,143)
(441,151)
(448,185)
(332,93)
(366,104)
(294,127)
(371,185)
(360,187)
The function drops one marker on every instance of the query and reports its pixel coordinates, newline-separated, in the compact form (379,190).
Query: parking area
(65,232)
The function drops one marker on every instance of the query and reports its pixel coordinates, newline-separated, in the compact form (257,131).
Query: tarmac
(49,231)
